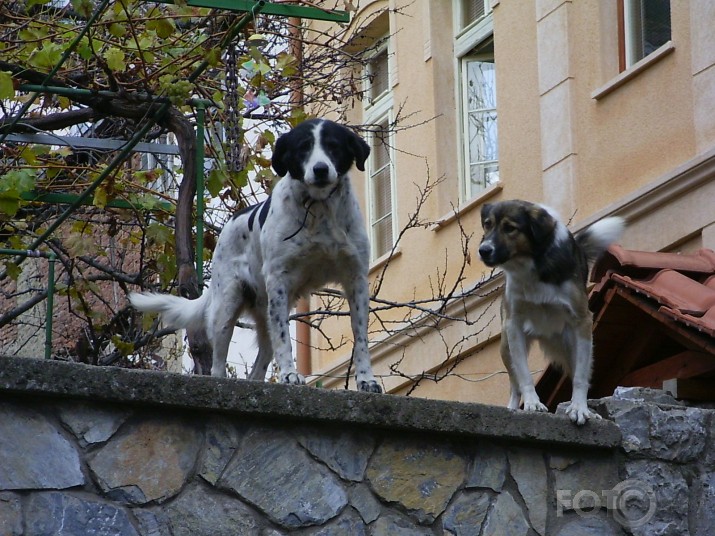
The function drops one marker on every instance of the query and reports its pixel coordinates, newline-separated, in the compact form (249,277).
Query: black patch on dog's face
(342,145)
(519,229)
(514,229)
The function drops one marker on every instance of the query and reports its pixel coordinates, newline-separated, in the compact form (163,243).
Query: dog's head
(319,153)
(516,230)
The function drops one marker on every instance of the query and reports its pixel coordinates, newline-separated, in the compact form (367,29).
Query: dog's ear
(486,210)
(359,148)
(542,224)
(280,156)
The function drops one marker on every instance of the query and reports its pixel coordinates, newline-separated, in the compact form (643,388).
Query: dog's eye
(330,146)
(487,225)
(305,145)
(508,228)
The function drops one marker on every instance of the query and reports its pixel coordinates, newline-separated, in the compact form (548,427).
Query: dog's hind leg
(358,299)
(223,314)
(265,351)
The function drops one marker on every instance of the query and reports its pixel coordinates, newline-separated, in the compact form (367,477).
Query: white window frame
(470,190)
(375,112)
(633,32)
(465,41)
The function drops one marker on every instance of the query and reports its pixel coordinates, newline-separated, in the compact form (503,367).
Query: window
(379,167)
(481,147)
(643,25)
(380,191)
(378,75)
(470,11)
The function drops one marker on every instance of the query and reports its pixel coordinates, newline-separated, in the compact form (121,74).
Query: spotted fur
(307,234)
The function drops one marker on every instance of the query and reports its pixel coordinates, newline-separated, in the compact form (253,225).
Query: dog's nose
(486,250)
(320,170)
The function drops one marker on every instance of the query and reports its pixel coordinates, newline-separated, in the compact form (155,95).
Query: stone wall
(90,451)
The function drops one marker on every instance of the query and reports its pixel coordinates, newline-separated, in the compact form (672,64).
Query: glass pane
(379,75)
(380,150)
(656,24)
(472,10)
(482,176)
(481,85)
(483,139)
(382,236)
(381,194)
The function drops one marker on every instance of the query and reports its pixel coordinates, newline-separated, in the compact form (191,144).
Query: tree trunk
(199,344)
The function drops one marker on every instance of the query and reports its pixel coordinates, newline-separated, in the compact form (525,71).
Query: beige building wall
(573,133)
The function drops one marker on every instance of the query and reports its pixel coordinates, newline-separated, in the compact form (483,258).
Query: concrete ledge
(36,377)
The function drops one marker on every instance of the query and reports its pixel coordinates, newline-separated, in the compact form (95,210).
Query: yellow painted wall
(633,151)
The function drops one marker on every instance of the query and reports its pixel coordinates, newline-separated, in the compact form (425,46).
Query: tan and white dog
(545,299)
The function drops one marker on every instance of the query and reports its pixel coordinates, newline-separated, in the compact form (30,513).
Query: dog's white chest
(542,309)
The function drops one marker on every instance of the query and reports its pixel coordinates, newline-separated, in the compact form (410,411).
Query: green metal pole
(63,58)
(50,305)
(51,257)
(200,108)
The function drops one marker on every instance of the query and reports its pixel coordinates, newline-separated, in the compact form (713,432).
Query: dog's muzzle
(488,253)
(321,174)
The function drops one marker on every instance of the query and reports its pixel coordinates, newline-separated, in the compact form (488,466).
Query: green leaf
(100,197)
(7,90)
(117,30)
(126,348)
(9,205)
(12,270)
(115,59)
(31,3)
(216,180)
(46,57)
(164,28)
(160,234)
(83,7)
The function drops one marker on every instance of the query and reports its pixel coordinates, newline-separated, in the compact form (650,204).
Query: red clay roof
(683,285)
(654,319)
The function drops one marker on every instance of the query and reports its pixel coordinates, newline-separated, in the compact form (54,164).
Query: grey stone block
(34,454)
(271,472)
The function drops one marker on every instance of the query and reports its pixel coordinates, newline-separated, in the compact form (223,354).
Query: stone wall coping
(33,377)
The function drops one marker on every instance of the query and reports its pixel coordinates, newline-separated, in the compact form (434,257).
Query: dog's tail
(599,236)
(176,312)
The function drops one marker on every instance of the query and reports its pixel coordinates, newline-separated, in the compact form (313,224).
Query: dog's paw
(370,386)
(579,413)
(534,405)
(293,378)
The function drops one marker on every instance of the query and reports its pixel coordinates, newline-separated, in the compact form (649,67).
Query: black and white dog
(545,299)
(308,233)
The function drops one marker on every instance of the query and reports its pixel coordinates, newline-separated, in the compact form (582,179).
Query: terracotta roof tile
(628,261)
(674,290)
(654,319)
(682,285)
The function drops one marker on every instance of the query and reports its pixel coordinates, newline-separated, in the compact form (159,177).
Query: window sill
(634,70)
(383,260)
(466,207)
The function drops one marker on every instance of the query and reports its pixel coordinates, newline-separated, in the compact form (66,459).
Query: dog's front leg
(359,302)
(278,312)
(518,366)
(577,410)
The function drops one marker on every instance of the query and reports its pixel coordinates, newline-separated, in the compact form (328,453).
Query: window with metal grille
(472,11)
(643,26)
(380,190)
(378,75)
